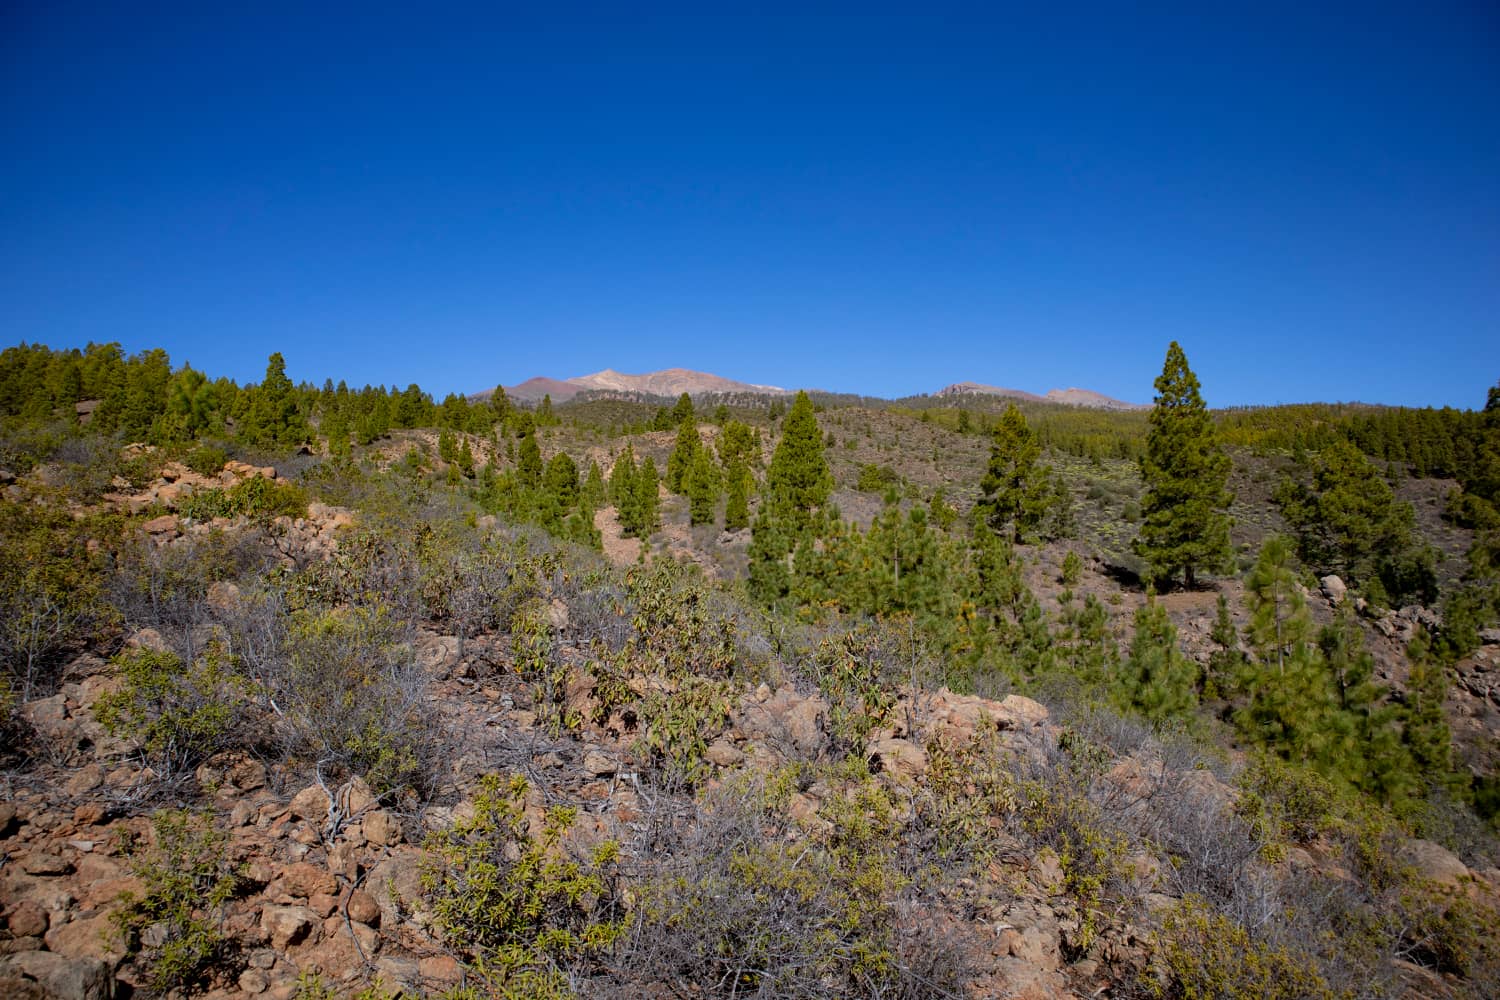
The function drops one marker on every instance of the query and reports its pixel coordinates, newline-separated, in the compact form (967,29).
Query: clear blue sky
(870,200)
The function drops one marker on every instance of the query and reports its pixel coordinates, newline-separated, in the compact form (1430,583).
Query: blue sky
(869,199)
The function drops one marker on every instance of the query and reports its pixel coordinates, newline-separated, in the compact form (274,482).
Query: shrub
(1201,954)
(1285,803)
(355,699)
(678,630)
(50,597)
(514,905)
(679,725)
(206,460)
(187,879)
(1072,569)
(751,904)
(181,713)
(256,497)
(538,661)
(851,674)
(877,478)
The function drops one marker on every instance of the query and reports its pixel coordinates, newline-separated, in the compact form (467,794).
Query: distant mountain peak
(667,382)
(1068,397)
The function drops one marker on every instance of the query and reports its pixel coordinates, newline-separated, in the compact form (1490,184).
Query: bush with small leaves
(206,460)
(256,497)
(753,904)
(851,674)
(180,712)
(186,880)
(1201,954)
(679,724)
(512,903)
(538,661)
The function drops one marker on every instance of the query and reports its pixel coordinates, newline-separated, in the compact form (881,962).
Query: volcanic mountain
(1068,397)
(669,382)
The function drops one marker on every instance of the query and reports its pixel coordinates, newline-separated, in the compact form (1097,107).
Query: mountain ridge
(676,381)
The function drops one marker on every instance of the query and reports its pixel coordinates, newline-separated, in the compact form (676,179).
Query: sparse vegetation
(720,765)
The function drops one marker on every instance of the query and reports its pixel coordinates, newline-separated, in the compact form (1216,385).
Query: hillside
(321,694)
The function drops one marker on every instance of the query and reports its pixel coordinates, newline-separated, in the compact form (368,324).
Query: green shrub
(187,879)
(50,597)
(181,713)
(877,478)
(1072,569)
(206,460)
(1202,955)
(679,726)
(356,700)
(754,905)
(256,497)
(513,904)
(1285,804)
(537,659)
(677,630)
(850,675)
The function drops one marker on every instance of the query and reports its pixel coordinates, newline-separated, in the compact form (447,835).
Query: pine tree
(1424,724)
(274,418)
(1279,620)
(1159,682)
(1226,664)
(592,495)
(561,480)
(1186,525)
(647,498)
(529,462)
(1091,654)
(737,498)
(1365,747)
(1016,490)
(702,487)
(682,410)
(798,484)
(738,450)
(799,481)
(447,447)
(1293,702)
(684,452)
(499,405)
(622,491)
(1349,521)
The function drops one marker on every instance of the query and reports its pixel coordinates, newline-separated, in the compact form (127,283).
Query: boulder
(381,828)
(311,804)
(308,880)
(1434,862)
(45,864)
(28,919)
(1333,588)
(723,754)
(287,925)
(88,937)
(363,909)
(1016,712)
(164,525)
(223,596)
(804,724)
(52,975)
(901,758)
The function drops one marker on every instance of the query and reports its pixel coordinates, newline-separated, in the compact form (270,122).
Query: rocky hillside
(623,783)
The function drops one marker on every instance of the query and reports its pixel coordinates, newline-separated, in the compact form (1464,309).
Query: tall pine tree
(1159,682)
(798,485)
(1016,489)
(1185,527)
